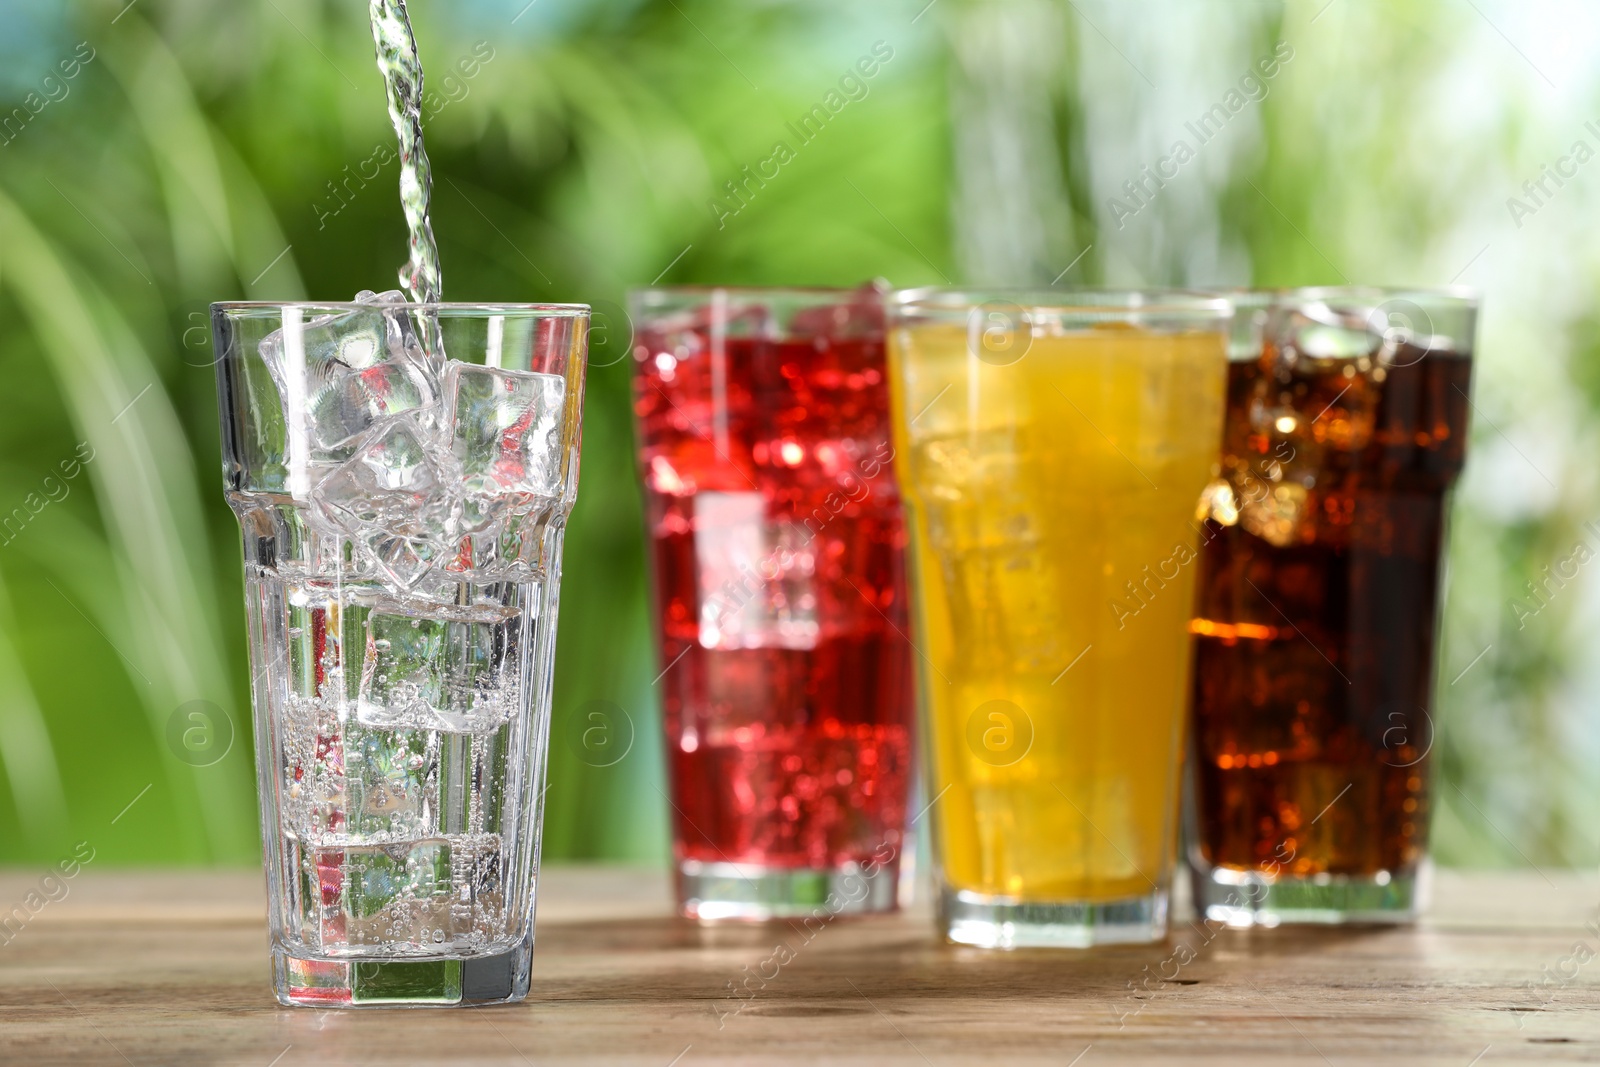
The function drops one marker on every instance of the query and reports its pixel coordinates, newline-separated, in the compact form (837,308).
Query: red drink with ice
(776,541)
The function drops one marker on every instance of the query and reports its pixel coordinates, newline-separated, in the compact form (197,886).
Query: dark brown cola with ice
(1318,605)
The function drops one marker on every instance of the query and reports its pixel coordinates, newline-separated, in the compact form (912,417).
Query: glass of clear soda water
(402,474)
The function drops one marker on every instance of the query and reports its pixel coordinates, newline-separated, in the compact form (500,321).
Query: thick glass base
(710,891)
(1002,922)
(325,983)
(1249,898)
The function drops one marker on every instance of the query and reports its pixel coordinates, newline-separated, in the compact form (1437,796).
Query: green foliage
(571,165)
(212,151)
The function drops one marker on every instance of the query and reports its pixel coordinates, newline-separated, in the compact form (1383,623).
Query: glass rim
(446,307)
(1088,301)
(695,290)
(1455,308)
(644,293)
(1459,295)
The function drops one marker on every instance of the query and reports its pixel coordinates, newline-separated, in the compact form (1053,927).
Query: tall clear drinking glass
(402,516)
(1052,448)
(776,539)
(1317,620)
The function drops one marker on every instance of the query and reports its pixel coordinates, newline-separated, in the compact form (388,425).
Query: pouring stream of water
(402,76)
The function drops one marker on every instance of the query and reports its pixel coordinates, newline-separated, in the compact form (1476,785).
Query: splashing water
(402,76)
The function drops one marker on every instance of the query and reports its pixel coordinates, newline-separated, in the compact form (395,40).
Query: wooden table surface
(171,969)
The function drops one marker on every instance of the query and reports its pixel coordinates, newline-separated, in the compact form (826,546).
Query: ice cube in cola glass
(403,514)
(776,548)
(1320,591)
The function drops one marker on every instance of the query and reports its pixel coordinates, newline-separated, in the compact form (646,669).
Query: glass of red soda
(776,543)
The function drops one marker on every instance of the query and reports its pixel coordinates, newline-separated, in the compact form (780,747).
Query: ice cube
(394,500)
(685,333)
(352,401)
(757,576)
(350,339)
(522,544)
(316,785)
(412,333)
(344,779)
(390,781)
(338,375)
(860,315)
(324,638)
(307,803)
(404,897)
(502,542)
(488,888)
(1309,418)
(506,430)
(397,897)
(437,673)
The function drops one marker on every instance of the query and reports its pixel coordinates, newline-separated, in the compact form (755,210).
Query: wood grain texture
(171,969)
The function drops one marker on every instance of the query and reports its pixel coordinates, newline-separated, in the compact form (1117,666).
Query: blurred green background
(158,155)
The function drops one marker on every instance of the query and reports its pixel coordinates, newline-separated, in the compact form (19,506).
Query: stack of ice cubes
(1316,412)
(429,485)
(429,467)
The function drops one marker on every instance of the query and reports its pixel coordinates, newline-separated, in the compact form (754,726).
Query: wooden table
(171,969)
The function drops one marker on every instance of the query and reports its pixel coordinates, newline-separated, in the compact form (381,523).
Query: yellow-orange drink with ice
(1051,478)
